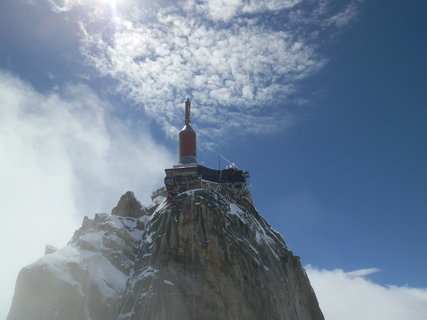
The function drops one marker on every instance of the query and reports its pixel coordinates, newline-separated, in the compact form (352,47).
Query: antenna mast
(187,112)
(231,165)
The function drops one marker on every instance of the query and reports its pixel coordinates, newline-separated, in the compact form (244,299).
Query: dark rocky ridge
(128,206)
(201,254)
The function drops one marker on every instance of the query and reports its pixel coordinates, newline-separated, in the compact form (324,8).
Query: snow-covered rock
(200,254)
(83,280)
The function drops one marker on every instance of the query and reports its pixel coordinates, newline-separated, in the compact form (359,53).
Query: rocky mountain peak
(128,206)
(204,253)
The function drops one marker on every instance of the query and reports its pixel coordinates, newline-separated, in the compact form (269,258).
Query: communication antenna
(187,112)
(231,165)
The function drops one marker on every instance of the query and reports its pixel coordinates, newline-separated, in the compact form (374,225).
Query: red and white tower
(187,139)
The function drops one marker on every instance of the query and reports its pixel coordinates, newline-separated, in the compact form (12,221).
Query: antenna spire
(187,112)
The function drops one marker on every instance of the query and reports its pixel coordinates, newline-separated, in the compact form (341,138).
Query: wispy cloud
(240,60)
(362,272)
(64,5)
(346,16)
(63,156)
(224,10)
(350,296)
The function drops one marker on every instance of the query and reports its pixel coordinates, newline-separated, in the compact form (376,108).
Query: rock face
(128,206)
(200,254)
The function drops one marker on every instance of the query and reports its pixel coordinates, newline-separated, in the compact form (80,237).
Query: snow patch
(102,273)
(158,199)
(261,236)
(192,192)
(160,207)
(148,271)
(149,237)
(124,316)
(235,210)
(95,239)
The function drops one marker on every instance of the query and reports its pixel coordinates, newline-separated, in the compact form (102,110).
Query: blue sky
(324,102)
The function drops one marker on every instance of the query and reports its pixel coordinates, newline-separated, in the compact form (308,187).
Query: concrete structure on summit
(187,139)
(188,174)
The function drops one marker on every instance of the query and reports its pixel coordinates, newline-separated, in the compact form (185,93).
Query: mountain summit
(202,253)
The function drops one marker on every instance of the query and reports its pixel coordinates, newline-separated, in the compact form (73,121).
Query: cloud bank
(350,296)
(241,60)
(63,155)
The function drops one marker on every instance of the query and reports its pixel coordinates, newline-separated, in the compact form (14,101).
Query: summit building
(188,174)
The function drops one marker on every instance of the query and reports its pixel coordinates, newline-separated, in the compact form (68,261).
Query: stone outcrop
(128,206)
(50,249)
(200,254)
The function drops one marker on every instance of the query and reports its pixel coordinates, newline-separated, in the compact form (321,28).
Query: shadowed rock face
(201,254)
(128,206)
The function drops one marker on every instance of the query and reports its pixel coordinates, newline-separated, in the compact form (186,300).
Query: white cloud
(224,10)
(348,295)
(344,17)
(64,5)
(63,156)
(239,59)
(234,74)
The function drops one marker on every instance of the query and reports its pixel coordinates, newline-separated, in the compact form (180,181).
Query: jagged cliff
(199,254)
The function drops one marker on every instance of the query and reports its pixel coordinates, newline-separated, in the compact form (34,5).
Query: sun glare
(112,4)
